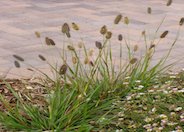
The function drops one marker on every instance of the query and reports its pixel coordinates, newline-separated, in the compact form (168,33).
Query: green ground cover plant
(92,94)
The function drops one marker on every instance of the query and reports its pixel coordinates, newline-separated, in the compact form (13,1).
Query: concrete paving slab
(21,18)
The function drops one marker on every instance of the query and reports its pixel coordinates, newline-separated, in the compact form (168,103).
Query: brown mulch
(28,90)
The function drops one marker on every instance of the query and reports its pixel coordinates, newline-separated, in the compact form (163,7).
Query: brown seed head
(169,2)
(120,37)
(98,45)
(152,46)
(135,48)
(108,35)
(42,57)
(126,20)
(70,48)
(65,28)
(17,64)
(91,63)
(103,30)
(150,53)
(117,19)
(181,21)
(75,26)
(74,60)
(37,34)
(49,41)
(133,60)
(68,35)
(90,53)
(164,34)
(143,33)
(149,10)
(80,44)
(30,69)
(86,60)
(63,69)
(18,58)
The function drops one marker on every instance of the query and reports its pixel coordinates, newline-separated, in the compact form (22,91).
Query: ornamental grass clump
(90,91)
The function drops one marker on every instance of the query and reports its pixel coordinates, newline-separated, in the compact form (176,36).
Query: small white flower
(182,120)
(121,114)
(171,123)
(173,114)
(102,119)
(119,130)
(88,99)
(155,124)
(145,108)
(160,128)
(168,88)
(138,96)
(170,91)
(138,81)
(129,97)
(173,77)
(162,116)
(175,89)
(125,83)
(151,91)
(181,91)
(182,116)
(153,110)
(147,119)
(156,86)
(141,86)
(164,122)
(147,126)
(178,109)
(127,77)
(166,92)
(149,130)
(140,106)
(121,119)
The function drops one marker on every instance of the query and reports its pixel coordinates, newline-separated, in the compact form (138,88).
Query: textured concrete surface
(19,19)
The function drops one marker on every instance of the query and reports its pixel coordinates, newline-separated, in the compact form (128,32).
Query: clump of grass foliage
(88,93)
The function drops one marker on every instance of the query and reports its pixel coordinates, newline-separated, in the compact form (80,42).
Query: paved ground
(19,19)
